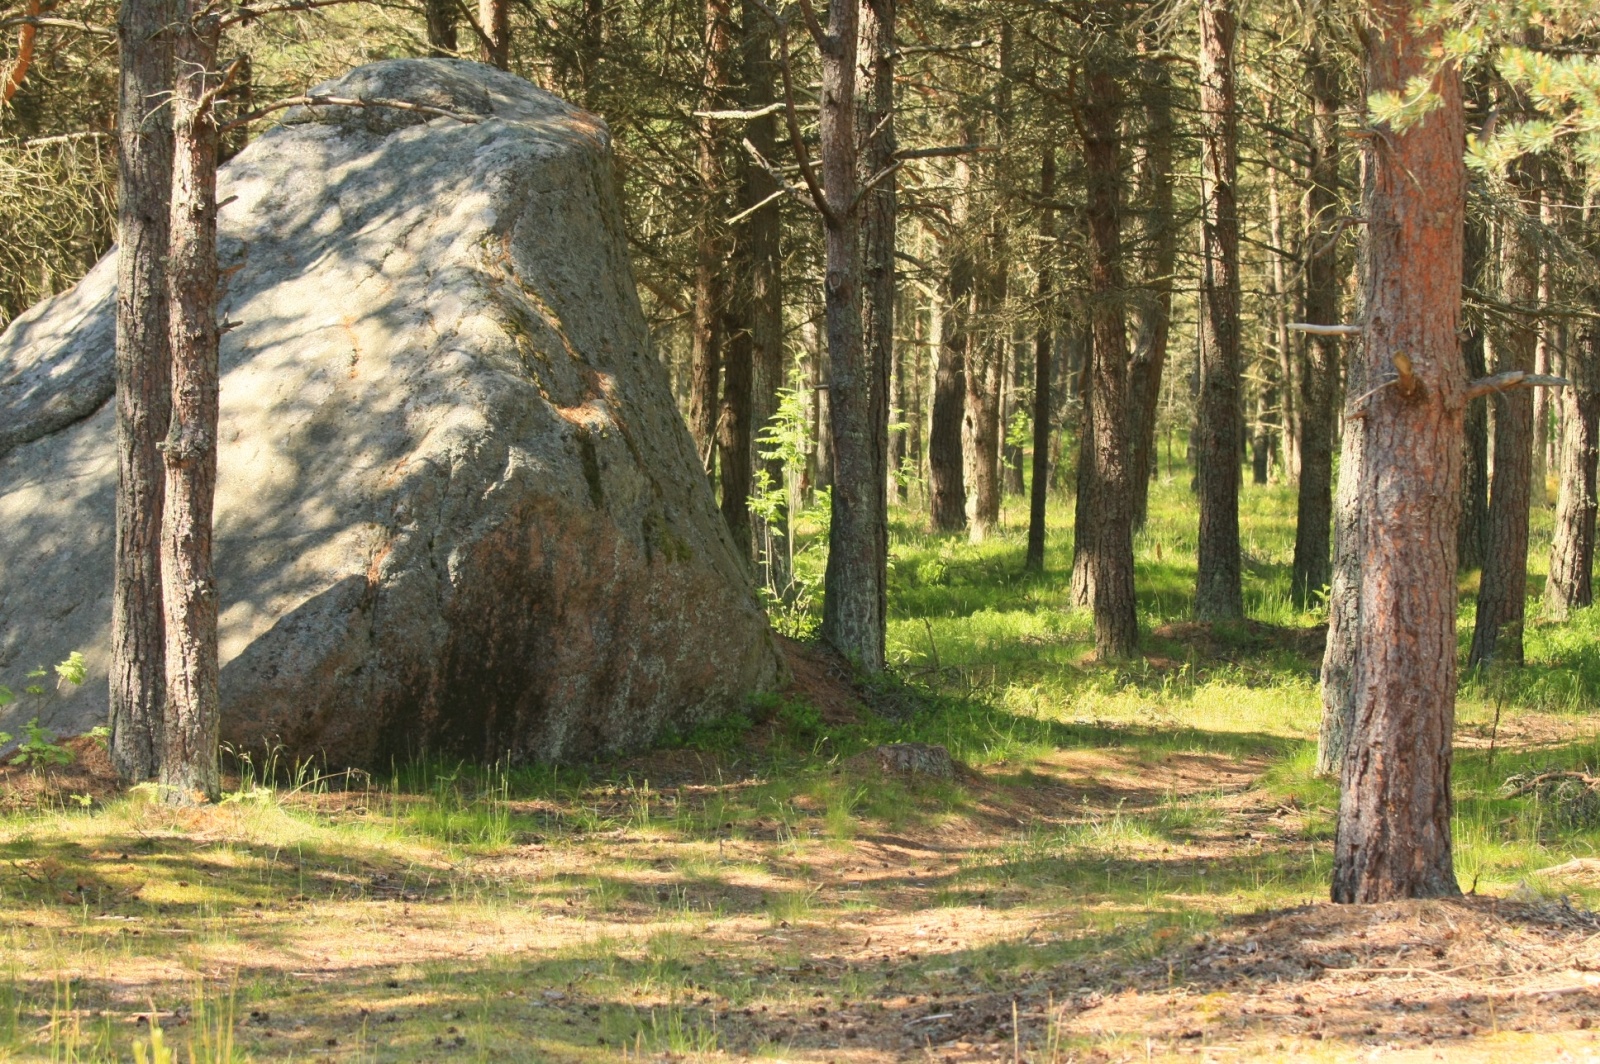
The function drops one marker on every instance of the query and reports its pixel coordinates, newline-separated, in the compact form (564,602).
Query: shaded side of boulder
(458,512)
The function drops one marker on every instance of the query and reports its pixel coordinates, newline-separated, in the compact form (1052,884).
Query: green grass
(1103,826)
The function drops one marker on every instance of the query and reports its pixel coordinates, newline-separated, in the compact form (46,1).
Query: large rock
(458,509)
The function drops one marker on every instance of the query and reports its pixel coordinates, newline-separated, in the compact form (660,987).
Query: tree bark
(854,584)
(189,761)
(734,447)
(1503,590)
(494,16)
(980,426)
(1543,357)
(1043,342)
(1570,585)
(441,20)
(1393,835)
(1319,364)
(1281,297)
(1218,592)
(1110,545)
(1472,537)
(876,148)
(760,273)
(946,472)
(1155,309)
(144,195)
(711,297)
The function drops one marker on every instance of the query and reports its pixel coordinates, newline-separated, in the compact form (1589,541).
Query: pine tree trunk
(1570,585)
(1261,442)
(1503,590)
(1218,592)
(1543,358)
(441,20)
(1085,499)
(1043,342)
(1287,377)
(734,449)
(144,195)
(854,584)
(1155,308)
(898,415)
(946,473)
(711,294)
(494,17)
(1319,365)
(1472,538)
(759,272)
(875,136)
(189,761)
(980,425)
(1110,546)
(1393,835)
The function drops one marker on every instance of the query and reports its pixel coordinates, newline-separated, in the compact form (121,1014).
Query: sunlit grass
(656,904)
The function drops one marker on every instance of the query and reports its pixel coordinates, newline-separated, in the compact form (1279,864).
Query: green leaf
(74,669)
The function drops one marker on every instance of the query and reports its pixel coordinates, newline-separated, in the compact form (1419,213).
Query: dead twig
(323,100)
(1511,381)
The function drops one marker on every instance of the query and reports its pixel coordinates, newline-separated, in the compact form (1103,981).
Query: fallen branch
(1511,381)
(349,101)
(1528,786)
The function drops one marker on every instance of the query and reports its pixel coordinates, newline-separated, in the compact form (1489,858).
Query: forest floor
(1128,865)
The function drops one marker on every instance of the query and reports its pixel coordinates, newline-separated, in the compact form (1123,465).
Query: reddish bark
(1393,836)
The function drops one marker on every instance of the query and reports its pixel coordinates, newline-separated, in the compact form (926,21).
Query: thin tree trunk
(1043,340)
(980,426)
(441,20)
(875,137)
(1155,309)
(1280,326)
(899,367)
(734,448)
(759,270)
(1503,590)
(1319,366)
(1393,835)
(1472,538)
(711,246)
(1017,367)
(1542,359)
(1086,495)
(144,191)
(854,585)
(494,16)
(946,472)
(1261,443)
(1570,585)
(1116,624)
(1218,593)
(189,761)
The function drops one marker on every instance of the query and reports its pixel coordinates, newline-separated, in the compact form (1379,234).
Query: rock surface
(458,509)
